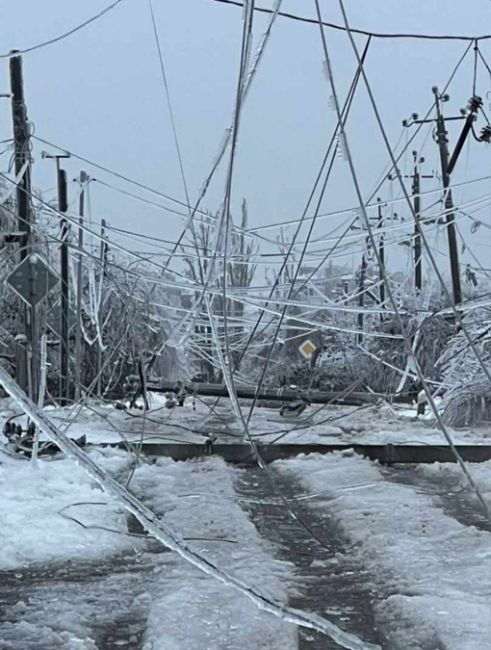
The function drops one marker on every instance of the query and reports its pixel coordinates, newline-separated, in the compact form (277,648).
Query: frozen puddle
(327,581)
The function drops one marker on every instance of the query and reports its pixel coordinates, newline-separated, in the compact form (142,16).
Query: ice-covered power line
(390,294)
(62,36)
(365,32)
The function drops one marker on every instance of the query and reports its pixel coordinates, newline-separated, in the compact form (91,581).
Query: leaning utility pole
(25,370)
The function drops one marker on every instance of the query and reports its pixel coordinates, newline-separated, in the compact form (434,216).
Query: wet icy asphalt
(107,600)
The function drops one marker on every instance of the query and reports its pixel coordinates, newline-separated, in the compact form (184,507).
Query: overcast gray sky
(100,94)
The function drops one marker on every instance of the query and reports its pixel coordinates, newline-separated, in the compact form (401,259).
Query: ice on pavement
(436,570)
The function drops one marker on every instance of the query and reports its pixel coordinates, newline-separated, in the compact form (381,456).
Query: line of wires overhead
(64,35)
(365,32)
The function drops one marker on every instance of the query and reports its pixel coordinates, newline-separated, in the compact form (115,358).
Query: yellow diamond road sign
(307,349)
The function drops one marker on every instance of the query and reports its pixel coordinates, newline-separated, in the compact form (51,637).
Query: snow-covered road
(406,562)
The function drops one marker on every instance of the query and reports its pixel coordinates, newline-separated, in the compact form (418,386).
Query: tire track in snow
(94,603)
(434,568)
(456,500)
(326,581)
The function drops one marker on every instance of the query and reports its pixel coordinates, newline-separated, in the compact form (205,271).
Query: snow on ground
(481,473)
(188,609)
(367,424)
(436,571)
(34,530)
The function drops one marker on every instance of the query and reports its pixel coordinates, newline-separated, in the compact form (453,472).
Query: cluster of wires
(247,313)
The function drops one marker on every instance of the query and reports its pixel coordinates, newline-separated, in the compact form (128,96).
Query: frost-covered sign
(32,279)
(54,319)
(307,349)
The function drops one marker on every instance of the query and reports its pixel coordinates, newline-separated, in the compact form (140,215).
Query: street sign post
(32,279)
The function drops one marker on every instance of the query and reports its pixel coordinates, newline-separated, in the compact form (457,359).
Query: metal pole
(78,331)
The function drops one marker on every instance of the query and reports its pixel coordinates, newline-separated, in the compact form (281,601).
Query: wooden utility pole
(22,154)
(65,288)
(416,177)
(103,260)
(64,276)
(442,140)
(447,165)
(26,366)
(361,299)
(381,253)
(78,331)
(418,274)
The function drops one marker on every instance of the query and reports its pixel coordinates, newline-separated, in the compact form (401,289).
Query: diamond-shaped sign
(32,279)
(54,319)
(307,349)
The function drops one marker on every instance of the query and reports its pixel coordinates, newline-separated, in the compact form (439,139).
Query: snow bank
(435,570)
(33,530)
(191,610)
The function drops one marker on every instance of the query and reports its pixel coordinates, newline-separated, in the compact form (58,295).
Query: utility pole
(22,154)
(26,366)
(416,177)
(361,299)
(84,179)
(418,273)
(381,253)
(65,287)
(442,141)
(447,166)
(103,260)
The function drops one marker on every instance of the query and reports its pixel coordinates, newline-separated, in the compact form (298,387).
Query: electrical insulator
(486,134)
(474,104)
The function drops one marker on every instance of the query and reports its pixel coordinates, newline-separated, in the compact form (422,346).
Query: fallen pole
(275,394)
(167,535)
(243,454)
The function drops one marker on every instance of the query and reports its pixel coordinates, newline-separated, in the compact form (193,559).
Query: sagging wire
(390,295)
(365,32)
(226,359)
(64,35)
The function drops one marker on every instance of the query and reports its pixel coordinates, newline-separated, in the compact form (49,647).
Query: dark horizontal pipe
(277,394)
